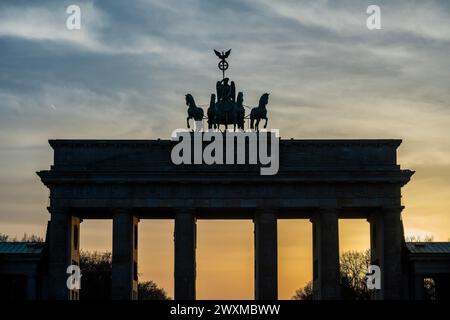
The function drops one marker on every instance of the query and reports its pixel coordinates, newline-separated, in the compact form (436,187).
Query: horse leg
(252,123)
(265,125)
(257,124)
(187,121)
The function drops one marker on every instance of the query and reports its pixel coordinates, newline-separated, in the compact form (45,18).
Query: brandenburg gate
(319,180)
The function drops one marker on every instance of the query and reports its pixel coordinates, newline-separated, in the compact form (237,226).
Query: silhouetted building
(429,270)
(320,180)
(21,270)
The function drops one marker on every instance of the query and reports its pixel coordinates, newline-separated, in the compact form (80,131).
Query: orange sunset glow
(125,74)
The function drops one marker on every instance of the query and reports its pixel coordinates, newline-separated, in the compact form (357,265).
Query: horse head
(212,101)
(190,100)
(264,100)
(240,98)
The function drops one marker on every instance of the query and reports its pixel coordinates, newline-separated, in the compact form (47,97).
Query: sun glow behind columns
(96,235)
(225,259)
(156,253)
(155,248)
(294,256)
(354,235)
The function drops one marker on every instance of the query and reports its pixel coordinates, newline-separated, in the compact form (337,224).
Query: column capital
(324,211)
(184,210)
(122,210)
(266,209)
(329,210)
(59,210)
(392,209)
(265,214)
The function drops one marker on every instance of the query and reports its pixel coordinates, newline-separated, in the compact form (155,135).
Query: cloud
(125,73)
(427,19)
(48,23)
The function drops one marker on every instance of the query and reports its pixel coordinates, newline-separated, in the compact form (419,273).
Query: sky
(124,75)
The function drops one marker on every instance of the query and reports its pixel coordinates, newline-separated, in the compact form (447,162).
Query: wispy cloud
(47,21)
(125,73)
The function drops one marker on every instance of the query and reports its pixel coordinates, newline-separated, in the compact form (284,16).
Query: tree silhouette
(353,268)
(96,275)
(96,270)
(150,291)
(25,238)
(305,293)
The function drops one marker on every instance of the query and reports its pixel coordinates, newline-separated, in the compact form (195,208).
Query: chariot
(225,108)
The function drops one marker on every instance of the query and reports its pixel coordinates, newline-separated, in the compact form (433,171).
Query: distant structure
(319,180)
(22,271)
(428,270)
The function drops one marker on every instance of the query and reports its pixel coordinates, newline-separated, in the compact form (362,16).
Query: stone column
(326,274)
(377,249)
(124,256)
(393,237)
(266,254)
(185,246)
(64,246)
(386,251)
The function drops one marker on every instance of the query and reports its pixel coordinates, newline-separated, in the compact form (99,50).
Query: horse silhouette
(259,112)
(194,112)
